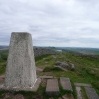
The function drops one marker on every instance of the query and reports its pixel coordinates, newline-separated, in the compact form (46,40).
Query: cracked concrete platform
(52,87)
(34,88)
(79,94)
(82,84)
(91,93)
(66,84)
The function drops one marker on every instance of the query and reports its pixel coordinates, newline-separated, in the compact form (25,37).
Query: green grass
(83,72)
(2,67)
(84,95)
(74,89)
(49,69)
(41,57)
(3,54)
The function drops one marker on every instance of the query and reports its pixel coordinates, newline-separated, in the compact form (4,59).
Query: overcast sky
(65,23)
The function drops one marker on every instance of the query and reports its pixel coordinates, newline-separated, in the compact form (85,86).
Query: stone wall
(43,51)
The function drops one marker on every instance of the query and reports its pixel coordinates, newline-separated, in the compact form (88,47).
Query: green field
(86,71)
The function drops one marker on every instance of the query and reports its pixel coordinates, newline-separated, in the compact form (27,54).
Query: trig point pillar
(20,70)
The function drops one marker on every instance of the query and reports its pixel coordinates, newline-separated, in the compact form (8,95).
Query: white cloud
(51,22)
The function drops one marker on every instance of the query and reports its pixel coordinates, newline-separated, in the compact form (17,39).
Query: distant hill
(92,51)
(86,51)
(3,47)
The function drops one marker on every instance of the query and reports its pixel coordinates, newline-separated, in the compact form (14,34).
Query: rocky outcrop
(64,66)
(43,51)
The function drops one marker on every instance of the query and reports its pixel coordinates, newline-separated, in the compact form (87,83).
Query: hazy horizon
(59,46)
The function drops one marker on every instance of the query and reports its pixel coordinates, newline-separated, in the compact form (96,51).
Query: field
(86,71)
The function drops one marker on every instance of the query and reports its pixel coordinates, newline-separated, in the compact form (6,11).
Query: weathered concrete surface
(79,95)
(82,84)
(72,66)
(66,84)
(36,85)
(91,93)
(20,70)
(43,51)
(33,89)
(46,77)
(52,87)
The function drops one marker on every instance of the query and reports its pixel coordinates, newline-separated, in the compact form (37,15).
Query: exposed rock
(46,62)
(18,96)
(54,57)
(58,63)
(63,64)
(64,69)
(43,51)
(39,69)
(44,58)
(44,81)
(7,95)
(38,97)
(72,66)
(96,69)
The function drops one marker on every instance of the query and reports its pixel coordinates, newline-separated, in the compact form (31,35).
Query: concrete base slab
(46,77)
(52,87)
(91,93)
(79,96)
(65,82)
(82,84)
(34,88)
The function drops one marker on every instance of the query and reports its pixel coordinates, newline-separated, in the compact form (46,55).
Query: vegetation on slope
(86,71)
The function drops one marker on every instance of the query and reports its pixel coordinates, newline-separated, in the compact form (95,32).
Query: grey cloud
(51,22)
